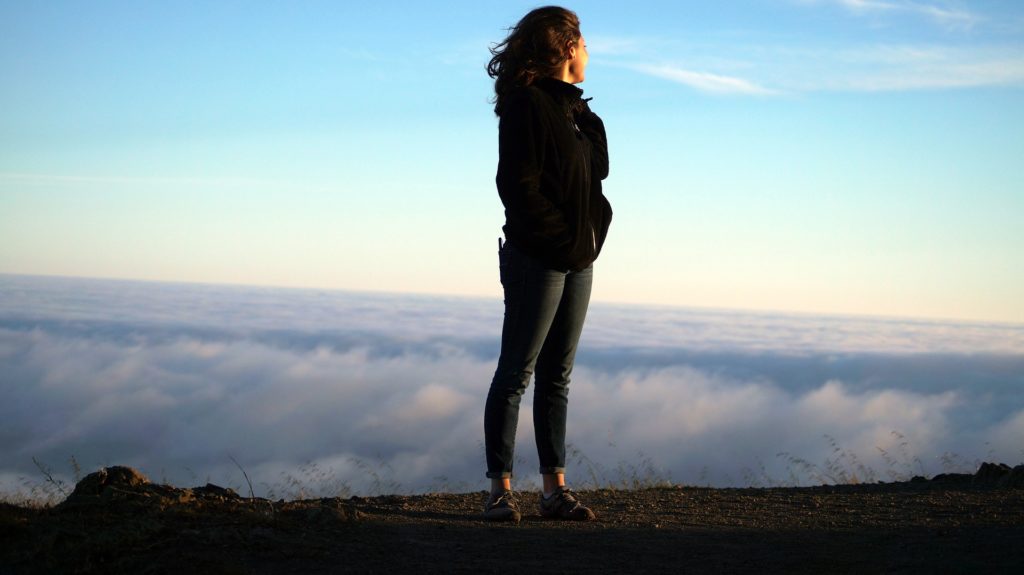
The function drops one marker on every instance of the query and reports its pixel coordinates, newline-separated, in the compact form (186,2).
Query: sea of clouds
(316,392)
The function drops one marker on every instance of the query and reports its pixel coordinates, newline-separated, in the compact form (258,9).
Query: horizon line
(449,295)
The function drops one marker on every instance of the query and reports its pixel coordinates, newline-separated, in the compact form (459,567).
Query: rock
(1015,478)
(98,483)
(953,478)
(991,473)
(217,491)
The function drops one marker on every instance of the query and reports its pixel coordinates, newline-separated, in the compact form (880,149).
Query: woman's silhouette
(552,156)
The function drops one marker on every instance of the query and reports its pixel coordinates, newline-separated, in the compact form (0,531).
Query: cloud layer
(317,392)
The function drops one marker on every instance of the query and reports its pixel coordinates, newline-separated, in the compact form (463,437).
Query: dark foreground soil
(120,523)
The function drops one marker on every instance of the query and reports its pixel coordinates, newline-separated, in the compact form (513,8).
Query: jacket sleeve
(592,126)
(520,179)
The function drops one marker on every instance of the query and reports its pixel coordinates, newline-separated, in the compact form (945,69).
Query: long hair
(534,48)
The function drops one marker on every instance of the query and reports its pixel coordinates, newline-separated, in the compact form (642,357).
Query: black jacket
(552,156)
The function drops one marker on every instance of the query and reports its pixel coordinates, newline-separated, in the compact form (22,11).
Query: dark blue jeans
(544,314)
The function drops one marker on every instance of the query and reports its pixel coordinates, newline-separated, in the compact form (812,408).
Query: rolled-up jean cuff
(552,470)
(499,474)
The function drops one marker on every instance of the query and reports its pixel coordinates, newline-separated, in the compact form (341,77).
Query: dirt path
(922,527)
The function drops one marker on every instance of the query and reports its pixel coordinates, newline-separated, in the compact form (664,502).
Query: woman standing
(552,156)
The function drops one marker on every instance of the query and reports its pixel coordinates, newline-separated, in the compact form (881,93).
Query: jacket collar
(563,92)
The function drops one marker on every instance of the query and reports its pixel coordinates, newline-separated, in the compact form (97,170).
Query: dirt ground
(120,523)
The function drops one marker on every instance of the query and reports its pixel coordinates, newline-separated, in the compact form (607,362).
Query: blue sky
(837,156)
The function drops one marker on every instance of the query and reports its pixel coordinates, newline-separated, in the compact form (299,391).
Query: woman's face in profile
(578,61)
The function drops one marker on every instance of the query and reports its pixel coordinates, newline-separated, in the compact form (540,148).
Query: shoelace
(565,498)
(507,498)
(570,499)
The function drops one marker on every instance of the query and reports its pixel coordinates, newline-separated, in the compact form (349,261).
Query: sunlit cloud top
(179,380)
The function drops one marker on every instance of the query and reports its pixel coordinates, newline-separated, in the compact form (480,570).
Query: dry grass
(840,467)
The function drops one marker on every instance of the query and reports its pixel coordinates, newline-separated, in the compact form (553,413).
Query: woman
(552,156)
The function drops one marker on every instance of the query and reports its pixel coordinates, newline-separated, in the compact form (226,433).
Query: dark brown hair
(534,48)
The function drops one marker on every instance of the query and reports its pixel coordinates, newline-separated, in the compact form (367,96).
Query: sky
(831,156)
(332,393)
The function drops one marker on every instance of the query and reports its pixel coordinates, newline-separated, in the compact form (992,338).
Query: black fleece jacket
(552,156)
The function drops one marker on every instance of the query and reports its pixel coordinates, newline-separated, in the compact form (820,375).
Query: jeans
(544,314)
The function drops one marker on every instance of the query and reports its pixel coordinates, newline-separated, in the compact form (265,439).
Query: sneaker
(502,507)
(563,505)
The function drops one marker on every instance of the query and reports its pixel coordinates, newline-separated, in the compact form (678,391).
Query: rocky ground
(116,521)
